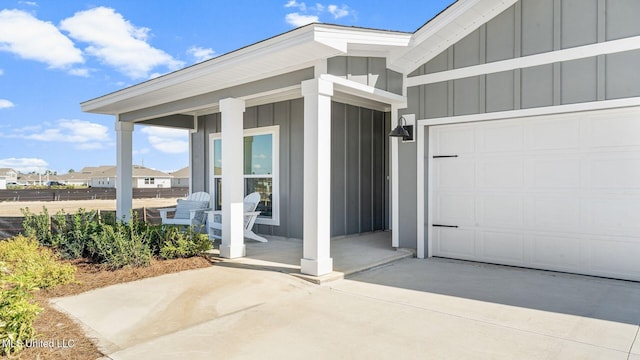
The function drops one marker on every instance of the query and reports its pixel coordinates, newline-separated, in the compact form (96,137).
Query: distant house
(180,177)
(3,183)
(10,175)
(78,178)
(105,177)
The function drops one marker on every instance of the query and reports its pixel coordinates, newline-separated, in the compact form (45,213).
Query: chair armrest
(256,213)
(163,212)
(214,212)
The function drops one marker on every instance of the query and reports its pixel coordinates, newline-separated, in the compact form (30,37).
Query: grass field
(12,208)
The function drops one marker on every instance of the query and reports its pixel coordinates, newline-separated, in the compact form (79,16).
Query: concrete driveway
(427,309)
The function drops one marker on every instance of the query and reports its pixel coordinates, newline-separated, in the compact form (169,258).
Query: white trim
(420,142)
(275,176)
(580,52)
(369,92)
(395,187)
(560,109)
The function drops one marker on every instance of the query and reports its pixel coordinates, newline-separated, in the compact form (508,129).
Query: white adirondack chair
(250,215)
(188,212)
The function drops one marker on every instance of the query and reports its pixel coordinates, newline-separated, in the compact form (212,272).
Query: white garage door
(557,192)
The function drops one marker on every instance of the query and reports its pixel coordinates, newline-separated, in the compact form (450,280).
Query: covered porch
(278,96)
(351,254)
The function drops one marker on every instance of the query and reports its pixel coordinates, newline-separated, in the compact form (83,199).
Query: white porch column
(395,186)
(124,169)
(317,177)
(232,178)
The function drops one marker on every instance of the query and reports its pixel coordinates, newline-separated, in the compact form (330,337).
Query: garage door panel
(556,173)
(614,216)
(556,252)
(502,247)
(500,138)
(625,252)
(455,209)
(457,243)
(614,132)
(454,140)
(559,192)
(553,134)
(615,173)
(454,173)
(556,213)
(503,173)
(505,211)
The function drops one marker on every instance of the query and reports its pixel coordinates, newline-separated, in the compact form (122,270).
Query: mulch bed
(52,325)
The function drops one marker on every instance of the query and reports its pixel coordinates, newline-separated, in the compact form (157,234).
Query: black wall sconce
(403,130)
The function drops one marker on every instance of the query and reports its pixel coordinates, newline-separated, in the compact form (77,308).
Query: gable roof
(297,49)
(138,171)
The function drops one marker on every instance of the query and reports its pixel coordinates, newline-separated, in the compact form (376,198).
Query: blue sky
(56,54)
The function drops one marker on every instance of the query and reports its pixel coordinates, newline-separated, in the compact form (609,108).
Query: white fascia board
(580,52)
(456,22)
(368,92)
(206,68)
(340,38)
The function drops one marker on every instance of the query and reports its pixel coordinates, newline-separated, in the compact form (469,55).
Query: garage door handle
(447,226)
(444,156)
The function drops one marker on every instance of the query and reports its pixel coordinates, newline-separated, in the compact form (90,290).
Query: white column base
(233,251)
(316,267)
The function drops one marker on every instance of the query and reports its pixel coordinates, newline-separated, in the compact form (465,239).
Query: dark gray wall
(359,170)
(370,71)
(358,173)
(531,27)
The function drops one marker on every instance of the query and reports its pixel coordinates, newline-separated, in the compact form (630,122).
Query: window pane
(265,187)
(217,157)
(258,155)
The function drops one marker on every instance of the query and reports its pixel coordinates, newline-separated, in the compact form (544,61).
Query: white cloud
(296,19)
(117,42)
(79,72)
(309,14)
(86,135)
(30,38)
(24,165)
(167,140)
(5,104)
(338,12)
(293,3)
(29,3)
(200,54)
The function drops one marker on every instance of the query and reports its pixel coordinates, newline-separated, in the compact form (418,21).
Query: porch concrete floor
(351,254)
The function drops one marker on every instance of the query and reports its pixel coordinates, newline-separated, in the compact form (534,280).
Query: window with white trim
(261,170)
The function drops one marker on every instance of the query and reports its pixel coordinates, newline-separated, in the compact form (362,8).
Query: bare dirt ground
(10,208)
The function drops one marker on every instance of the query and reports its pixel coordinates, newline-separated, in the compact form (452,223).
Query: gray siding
(528,27)
(359,170)
(359,165)
(531,27)
(370,71)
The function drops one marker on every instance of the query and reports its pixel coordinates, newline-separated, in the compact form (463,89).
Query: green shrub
(31,264)
(17,313)
(73,232)
(37,226)
(25,266)
(183,244)
(120,245)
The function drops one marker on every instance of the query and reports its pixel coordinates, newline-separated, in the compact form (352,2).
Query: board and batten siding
(359,165)
(371,71)
(532,27)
